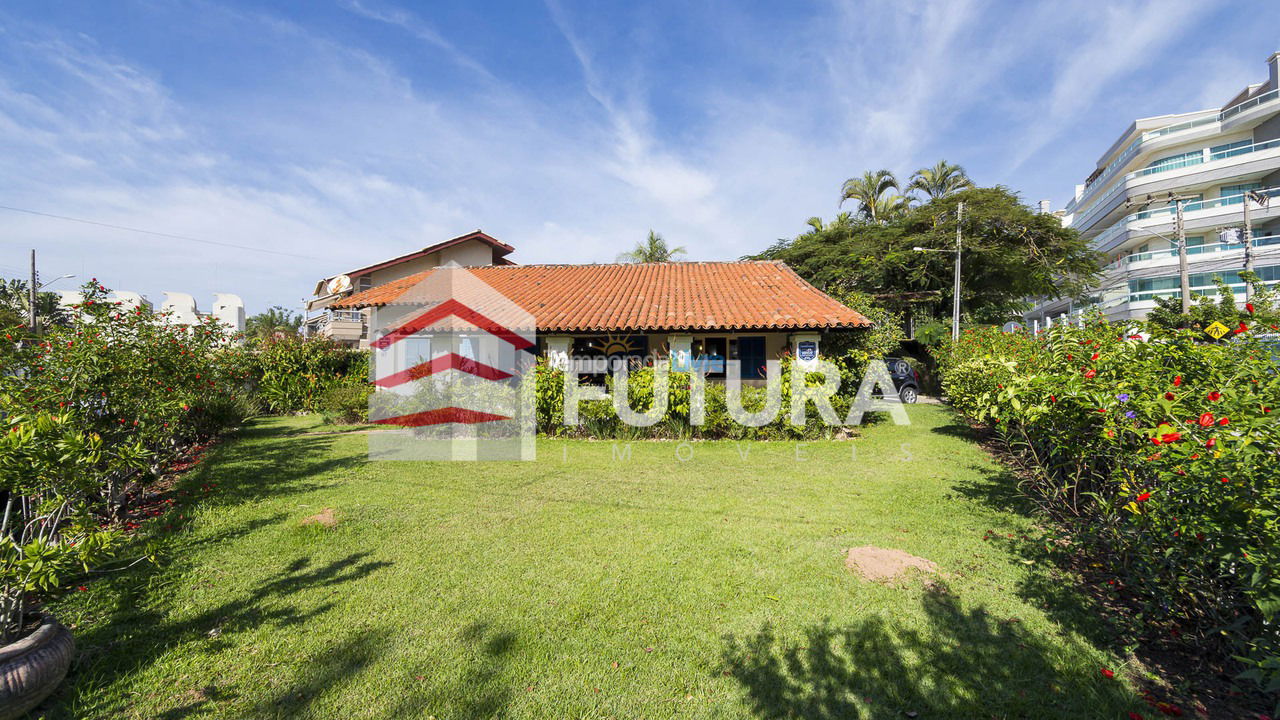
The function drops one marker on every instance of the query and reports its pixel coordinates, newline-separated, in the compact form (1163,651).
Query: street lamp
(955,291)
(60,277)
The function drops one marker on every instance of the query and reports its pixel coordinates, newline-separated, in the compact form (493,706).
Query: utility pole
(1248,246)
(33,292)
(955,300)
(1184,278)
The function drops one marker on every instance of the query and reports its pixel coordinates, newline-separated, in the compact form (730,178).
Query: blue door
(751,353)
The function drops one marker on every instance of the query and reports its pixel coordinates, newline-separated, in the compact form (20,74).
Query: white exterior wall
(1108,214)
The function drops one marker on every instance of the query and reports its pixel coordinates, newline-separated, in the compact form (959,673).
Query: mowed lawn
(703,580)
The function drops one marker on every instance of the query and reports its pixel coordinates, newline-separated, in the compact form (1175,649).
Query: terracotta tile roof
(500,251)
(657,296)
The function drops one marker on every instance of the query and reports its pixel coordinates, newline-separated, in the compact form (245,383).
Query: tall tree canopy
(876,194)
(15,304)
(275,321)
(653,250)
(1009,254)
(939,181)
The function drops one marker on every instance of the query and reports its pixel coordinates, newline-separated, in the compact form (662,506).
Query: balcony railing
(1184,162)
(1218,202)
(1237,109)
(1258,241)
(1132,150)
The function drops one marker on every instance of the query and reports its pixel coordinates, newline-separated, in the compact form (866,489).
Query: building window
(1195,157)
(1230,149)
(363,283)
(709,355)
(1238,191)
(751,355)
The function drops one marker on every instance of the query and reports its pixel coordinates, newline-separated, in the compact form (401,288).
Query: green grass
(587,586)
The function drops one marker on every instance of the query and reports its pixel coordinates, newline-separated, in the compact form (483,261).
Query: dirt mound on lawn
(324,518)
(874,563)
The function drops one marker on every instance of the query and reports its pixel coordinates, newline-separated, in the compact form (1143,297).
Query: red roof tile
(653,296)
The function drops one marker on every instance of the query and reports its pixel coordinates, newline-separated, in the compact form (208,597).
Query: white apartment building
(1210,159)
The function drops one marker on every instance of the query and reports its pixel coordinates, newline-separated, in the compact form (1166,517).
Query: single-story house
(589,316)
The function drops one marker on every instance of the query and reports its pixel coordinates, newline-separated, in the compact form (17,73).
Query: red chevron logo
(439,416)
(440,363)
(444,310)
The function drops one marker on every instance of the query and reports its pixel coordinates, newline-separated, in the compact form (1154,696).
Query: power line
(157,234)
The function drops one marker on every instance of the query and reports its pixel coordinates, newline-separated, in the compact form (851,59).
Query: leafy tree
(653,250)
(15,303)
(275,322)
(939,181)
(875,193)
(1010,253)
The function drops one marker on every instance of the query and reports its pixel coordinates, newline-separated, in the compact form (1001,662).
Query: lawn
(704,580)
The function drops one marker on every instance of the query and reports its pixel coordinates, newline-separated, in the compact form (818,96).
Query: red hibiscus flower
(1211,443)
(1214,396)
(1094,356)
(1107,673)
(1243,328)
(1177,381)
(1169,396)
(1223,421)
(1141,498)
(1225,481)
(1170,438)
(1249,307)
(1155,441)
(1090,373)
(1206,420)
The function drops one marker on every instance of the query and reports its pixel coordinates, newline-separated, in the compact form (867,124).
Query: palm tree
(653,250)
(275,322)
(874,192)
(15,303)
(940,180)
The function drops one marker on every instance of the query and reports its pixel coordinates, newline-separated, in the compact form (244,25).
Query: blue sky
(334,134)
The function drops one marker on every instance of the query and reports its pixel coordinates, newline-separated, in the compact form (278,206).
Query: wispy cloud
(724,130)
(419,29)
(1124,40)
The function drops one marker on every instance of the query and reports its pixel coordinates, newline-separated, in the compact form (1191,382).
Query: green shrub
(292,374)
(1161,453)
(600,419)
(346,404)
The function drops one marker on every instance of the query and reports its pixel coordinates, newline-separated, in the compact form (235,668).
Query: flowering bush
(90,412)
(1163,452)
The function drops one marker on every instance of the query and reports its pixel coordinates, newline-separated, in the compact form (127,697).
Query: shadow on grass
(136,636)
(138,630)
(961,664)
(478,691)
(1052,580)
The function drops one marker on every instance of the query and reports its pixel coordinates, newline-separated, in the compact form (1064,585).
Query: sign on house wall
(807,350)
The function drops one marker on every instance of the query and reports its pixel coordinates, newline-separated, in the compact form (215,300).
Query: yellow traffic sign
(1217,330)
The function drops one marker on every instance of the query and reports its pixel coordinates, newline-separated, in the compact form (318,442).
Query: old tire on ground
(31,668)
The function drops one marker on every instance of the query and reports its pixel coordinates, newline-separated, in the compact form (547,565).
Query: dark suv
(906,380)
